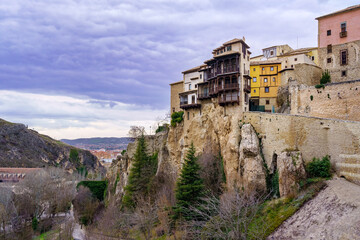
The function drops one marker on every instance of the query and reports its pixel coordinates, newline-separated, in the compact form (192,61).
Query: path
(78,233)
(333,214)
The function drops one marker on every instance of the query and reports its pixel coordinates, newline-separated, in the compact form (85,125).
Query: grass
(3,122)
(273,213)
(47,235)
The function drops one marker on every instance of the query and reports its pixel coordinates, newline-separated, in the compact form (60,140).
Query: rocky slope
(333,214)
(22,147)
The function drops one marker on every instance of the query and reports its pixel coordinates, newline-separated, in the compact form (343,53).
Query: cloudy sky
(84,68)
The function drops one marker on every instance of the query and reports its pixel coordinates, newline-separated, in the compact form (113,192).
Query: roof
(340,11)
(188,92)
(195,69)
(226,53)
(174,83)
(235,40)
(265,62)
(18,170)
(298,51)
(261,55)
(277,46)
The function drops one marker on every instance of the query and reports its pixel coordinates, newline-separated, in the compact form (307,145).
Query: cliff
(23,147)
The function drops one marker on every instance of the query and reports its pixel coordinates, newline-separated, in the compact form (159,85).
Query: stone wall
(303,73)
(313,137)
(175,89)
(336,100)
(352,67)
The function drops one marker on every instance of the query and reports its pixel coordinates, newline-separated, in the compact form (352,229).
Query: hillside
(23,147)
(108,143)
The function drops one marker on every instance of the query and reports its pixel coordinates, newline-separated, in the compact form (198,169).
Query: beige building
(175,89)
(298,56)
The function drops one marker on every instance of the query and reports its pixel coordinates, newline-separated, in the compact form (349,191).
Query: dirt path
(333,214)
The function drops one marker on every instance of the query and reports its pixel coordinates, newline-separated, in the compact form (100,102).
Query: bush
(319,168)
(176,117)
(325,77)
(162,128)
(34,223)
(311,97)
(97,188)
(320,86)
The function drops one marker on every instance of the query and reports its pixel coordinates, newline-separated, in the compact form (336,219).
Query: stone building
(339,43)
(299,56)
(175,89)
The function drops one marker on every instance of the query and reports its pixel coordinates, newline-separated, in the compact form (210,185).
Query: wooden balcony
(203,96)
(226,98)
(227,69)
(247,87)
(185,105)
(228,86)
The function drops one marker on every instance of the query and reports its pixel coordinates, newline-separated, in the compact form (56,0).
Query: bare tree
(85,205)
(230,217)
(7,208)
(66,230)
(136,131)
(145,217)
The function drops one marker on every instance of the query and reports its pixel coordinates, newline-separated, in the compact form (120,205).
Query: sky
(93,68)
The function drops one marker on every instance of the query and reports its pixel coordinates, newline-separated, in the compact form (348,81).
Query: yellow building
(264,84)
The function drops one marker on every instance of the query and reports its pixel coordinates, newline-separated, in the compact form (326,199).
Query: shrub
(325,77)
(319,168)
(176,117)
(34,223)
(97,188)
(311,97)
(162,128)
(320,86)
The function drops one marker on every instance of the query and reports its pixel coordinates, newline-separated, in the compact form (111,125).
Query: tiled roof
(265,62)
(18,170)
(340,11)
(298,51)
(235,40)
(195,69)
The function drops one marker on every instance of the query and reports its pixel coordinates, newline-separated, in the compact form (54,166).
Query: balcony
(247,73)
(231,97)
(343,34)
(227,69)
(228,86)
(247,87)
(185,105)
(204,95)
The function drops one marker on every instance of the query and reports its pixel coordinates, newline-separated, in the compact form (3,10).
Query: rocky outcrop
(22,147)
(251,166)
(291,171)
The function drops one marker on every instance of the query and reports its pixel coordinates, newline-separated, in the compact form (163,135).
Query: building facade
(339,44)
(175,89)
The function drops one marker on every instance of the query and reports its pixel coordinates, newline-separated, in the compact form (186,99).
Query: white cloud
(74,117)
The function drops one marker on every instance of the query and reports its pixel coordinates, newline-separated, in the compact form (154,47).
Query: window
(193,99)
(295,59)
(254,79)
(328,32)
(272,69)
(200,76)
(189,86)
(329,48)
(173,109)
(271,52)
(267,102)
(254,90)
(267,89)
(343,57)
(274,79)
(188,115)
(292,66)
(228,48)
(343,27)
(285,66)
(343,73)
(254,69)
(263,69)
(312,58)
(329,60)
(265,80)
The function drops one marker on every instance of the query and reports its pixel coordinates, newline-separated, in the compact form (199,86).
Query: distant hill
(23,147)
(108,143)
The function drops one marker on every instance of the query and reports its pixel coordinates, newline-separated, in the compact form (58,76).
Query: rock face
(291,170)
(251,165)
(22,147)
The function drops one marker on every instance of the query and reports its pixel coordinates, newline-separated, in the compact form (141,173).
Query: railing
(226,69)
(203,95)
(229,98)
(228,86)
(247,72)
(184,102)
(247,87)
(343,34)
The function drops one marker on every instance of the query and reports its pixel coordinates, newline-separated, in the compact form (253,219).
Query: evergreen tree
(189,186)
(143,169)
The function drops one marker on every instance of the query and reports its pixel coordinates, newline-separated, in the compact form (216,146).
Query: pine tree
(189,187)
(143,169)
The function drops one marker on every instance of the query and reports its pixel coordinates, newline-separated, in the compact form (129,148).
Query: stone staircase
(349,167)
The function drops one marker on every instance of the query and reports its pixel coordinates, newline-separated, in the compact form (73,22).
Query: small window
(254,69)
(263,69)
(254,79)
(189,86)
(285,66)
(328,60)
(267,102)
(292,66)
(267,89)
(173,110)
(343,57)
(188,115)
(295,59)
(312,58)
(343,27)
(343,73)
(254,90)
(274,79)
(329,48)
(271,68)
(228,48)
(328,32)
(265,79)
(271,53)
(200,76)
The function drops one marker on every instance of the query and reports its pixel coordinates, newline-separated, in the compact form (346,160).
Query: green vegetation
(325,77)
(34,223)
(189,186)
(311,97)
(177,117)
(162,128)
(116,182)
(123,152)
(141,175)
(319,168)
(74,156)
(97,188)
(320,86)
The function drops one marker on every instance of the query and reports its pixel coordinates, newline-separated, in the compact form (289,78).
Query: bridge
(15,174)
